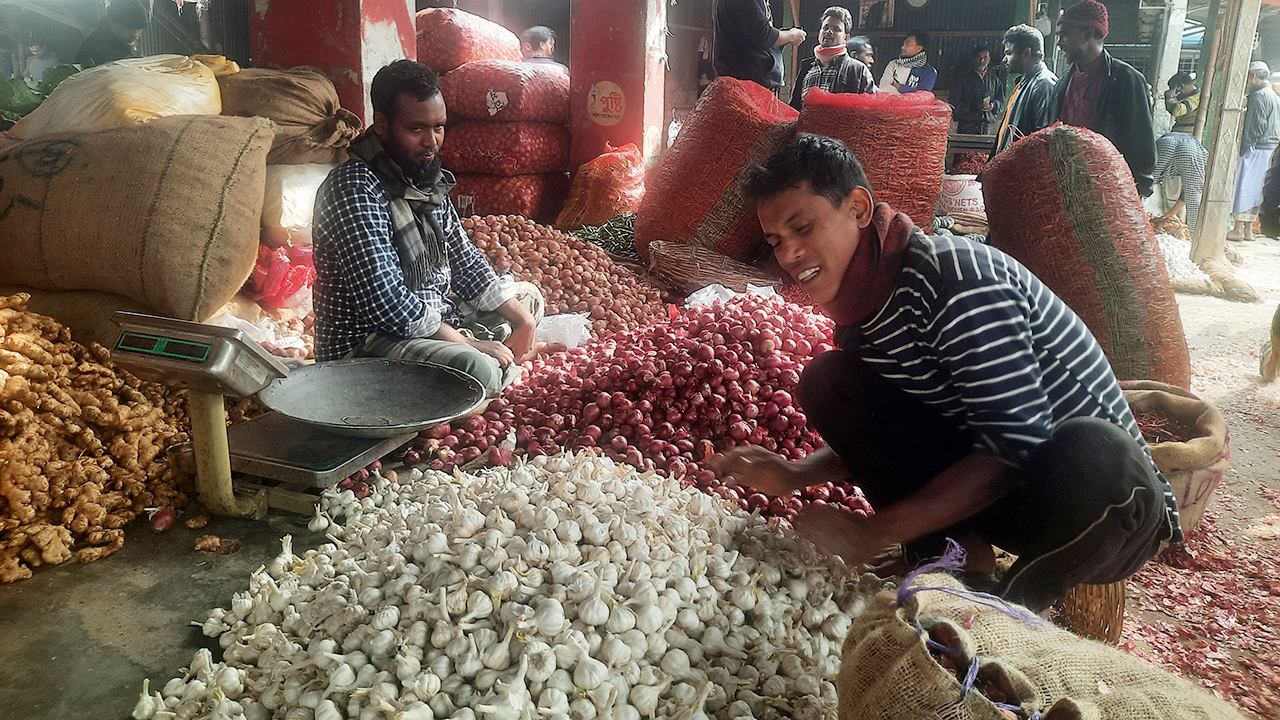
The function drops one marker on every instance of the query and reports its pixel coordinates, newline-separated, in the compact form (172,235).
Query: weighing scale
(328,420)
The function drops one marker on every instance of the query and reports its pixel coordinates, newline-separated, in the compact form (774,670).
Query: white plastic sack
(716,291)
(125,92)
(291,194)
(570,330)
(961,193)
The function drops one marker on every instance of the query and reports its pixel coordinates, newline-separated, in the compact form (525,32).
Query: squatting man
(965,398)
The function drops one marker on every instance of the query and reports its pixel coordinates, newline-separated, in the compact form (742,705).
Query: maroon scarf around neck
(874,269)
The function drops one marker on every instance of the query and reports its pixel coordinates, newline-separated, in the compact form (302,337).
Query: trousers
(460,356)
(1087,507)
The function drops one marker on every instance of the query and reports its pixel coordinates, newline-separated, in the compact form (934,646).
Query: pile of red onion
(668,397)
(574,276)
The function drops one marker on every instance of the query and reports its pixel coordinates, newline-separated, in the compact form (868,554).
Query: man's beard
(414,171)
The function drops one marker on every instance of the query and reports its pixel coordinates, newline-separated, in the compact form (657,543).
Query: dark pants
(1088,507)
(971,128)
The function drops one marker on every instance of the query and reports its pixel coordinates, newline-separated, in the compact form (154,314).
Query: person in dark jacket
(747,45)
(831,68)
(1258,143)
(1102,93)
(978,95)
(116,37)
(1030,106)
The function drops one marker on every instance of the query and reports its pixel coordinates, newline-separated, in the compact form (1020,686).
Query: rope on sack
(953,559)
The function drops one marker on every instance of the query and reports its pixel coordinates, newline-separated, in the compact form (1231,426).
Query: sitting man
(965,400)
(396,275)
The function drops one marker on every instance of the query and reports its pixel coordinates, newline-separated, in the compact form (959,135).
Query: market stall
(566,548)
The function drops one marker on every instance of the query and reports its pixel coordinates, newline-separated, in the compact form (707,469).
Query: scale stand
(210,362)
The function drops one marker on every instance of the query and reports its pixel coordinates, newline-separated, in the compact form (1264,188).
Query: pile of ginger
(81,445)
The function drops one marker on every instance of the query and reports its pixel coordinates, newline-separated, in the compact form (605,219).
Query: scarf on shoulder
(873,271)
(415,233)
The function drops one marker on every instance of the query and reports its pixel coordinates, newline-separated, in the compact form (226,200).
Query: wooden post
(1239,25)
(1206,67)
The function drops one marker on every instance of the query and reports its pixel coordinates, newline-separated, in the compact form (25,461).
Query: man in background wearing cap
(1102,93)
(1258,142)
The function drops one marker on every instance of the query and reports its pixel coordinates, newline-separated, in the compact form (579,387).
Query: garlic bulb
(569,588)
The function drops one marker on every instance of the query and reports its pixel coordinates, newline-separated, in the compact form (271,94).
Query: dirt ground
(1211,612)
(1225,338)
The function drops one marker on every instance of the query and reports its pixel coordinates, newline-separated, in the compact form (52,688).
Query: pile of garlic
(571,588)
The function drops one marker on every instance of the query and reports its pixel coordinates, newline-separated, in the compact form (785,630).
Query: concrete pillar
(1167,58)
(617,60)
(350,40)
(1241,22)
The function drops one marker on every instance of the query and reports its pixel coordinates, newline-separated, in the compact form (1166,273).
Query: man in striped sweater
(966,400)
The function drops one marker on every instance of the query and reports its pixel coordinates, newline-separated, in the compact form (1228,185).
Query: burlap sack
(888,673)
(1194,468)
(314,128)
(165,214)
(86,313)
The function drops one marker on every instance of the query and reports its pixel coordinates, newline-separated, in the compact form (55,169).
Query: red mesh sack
(695,196)
(448,38)
(508,91)
(280,274)
(611,184)
(497,148)
(900,139)
(1062,201)
(534,196)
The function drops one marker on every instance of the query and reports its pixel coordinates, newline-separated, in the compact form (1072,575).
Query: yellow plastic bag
(125,92)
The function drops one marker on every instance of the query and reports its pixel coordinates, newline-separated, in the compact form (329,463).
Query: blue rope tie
(970,678)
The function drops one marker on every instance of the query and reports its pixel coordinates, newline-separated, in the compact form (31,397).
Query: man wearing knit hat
(1102,93)
(1258,142)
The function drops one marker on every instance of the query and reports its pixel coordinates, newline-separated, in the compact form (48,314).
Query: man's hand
(494,349)
(857,540)
(986,106)
(521,340)
(757,468)
(794,36)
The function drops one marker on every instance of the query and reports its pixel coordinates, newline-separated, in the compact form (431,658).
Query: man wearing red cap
(1102,93)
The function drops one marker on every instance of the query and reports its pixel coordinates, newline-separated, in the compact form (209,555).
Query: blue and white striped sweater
(971,332)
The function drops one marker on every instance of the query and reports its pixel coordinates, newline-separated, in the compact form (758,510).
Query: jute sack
(87,313)
(314,128)
(1194,468)
(165,214)
(887,671)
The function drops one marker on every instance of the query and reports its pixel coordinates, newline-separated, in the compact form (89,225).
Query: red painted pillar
(617,60)
(350,40)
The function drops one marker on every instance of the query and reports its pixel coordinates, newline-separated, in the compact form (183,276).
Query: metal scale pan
(373,397)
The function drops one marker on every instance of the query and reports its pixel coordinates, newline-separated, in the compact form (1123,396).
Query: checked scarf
(415,231)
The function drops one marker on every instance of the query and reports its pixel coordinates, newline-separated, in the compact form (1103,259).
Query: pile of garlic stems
(570,588)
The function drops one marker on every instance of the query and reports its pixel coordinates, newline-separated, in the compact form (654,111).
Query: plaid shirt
(360,288)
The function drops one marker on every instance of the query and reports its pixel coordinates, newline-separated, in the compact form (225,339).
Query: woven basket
(1093,611)
(688,268)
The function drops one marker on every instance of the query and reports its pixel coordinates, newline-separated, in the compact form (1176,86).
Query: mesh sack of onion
(668,397)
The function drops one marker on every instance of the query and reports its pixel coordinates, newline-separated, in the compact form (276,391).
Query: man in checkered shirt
(396,275)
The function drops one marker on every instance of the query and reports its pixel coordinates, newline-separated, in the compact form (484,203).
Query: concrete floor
(76,641)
